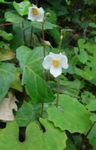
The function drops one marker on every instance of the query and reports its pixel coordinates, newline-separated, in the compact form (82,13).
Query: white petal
(64,61)
(55,56)
(39,17)
(55,71)
(47,62)
(30,13)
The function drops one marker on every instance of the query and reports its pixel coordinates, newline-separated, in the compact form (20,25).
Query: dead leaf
(6,54)
(6,108)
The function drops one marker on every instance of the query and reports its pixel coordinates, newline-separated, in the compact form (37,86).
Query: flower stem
(90,129)
(31,36)
(42,108)
(58,88)
(23,32)
(60,44)
(43,37)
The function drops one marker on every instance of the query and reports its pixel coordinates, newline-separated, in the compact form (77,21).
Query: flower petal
(39,17)
(47,62)
(55,71)
(30,13)
(64,61)
(55,56)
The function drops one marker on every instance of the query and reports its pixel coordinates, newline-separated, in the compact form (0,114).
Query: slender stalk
(31,35)
(43,37)
(6,24)
(90,129)
(58,88)
(23,32)
(60,44)
(42,108)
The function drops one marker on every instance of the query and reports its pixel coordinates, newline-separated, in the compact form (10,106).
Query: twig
(6,24)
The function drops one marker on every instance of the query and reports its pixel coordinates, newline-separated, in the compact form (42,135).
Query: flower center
(35,11)
(56,63)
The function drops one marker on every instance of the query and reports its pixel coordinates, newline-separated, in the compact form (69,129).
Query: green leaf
(5,35)
(10,136)
(52,17)
(18,30)
(35,138)
(7,76)
(25,114)
(70,145)
(47,25)
(17,83)
(87,97)
(31,64)
(93,143)
(92,133)
(82,56)
(22,7)
(70,115)
(11,16)
(2,1)
(91,106)
(68,88)
(53,136)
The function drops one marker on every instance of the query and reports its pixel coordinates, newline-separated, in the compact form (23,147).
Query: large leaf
(10,136)
(25,114)
(31,64)
(2,1)
(35,138)
(70,115)
(5,35)
(11,16)
(7,76)
(47,25)
(22,8)
(91,106)
(53,136)
(93,143)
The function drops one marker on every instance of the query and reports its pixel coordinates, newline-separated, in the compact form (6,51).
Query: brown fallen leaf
(6,54)
(6,108)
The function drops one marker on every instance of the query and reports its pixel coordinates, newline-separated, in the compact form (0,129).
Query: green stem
(43,37)
(23,32)
(60,44)
(31,36)
(90,129)
(42,108)
(58,88)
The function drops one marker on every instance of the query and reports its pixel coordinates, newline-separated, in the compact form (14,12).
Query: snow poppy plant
(55,63)
(36,14)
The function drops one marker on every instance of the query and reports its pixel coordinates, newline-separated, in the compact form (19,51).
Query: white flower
(36,14)
(55,63)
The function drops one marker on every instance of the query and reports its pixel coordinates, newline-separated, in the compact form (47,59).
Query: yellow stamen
(35,11)
(56,63)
